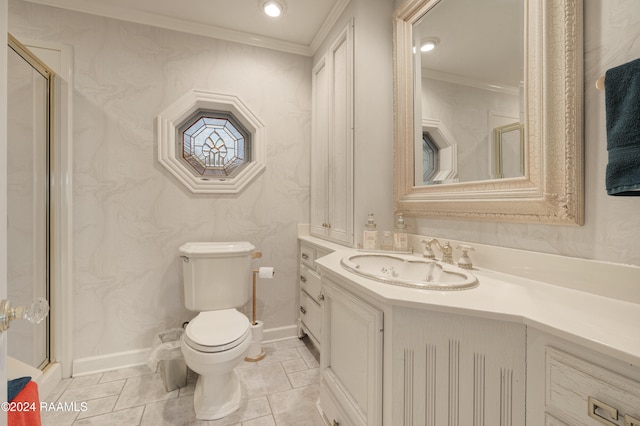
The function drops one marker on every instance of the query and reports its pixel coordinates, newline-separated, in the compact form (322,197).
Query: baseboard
(279,333)
(114,361)
(102,363)
(48,381)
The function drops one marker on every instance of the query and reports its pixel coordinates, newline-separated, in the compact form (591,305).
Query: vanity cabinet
(510,352)
(572,385)
(351,358)
(457,370)
(332,142)
(309,311)
(581,392)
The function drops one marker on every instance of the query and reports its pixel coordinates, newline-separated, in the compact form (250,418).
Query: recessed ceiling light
(429,44)
(273,8)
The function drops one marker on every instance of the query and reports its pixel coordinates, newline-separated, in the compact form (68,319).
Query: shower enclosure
(29,122)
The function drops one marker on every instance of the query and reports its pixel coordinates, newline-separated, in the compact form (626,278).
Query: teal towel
(622,101)
(15,386)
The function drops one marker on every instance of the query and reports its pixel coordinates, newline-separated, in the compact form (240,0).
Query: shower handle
(34,313)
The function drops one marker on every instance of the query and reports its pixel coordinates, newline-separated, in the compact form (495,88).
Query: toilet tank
(216,275)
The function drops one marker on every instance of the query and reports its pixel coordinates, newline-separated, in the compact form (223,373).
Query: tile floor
(282,389)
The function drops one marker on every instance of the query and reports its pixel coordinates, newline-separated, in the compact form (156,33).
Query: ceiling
(299,30)
(478,41)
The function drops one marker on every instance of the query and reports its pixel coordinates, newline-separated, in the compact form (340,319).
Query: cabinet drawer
(581,392)
(310,282)
(310,314)
(308,256)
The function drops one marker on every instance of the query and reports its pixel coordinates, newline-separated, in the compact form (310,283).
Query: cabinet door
(332,142)
(319,148)
(457,371)
(340,167)
(351,358)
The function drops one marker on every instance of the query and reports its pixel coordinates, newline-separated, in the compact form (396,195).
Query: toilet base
(216,396)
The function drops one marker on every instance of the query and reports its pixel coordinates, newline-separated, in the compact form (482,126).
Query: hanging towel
(622,101)
(28,400)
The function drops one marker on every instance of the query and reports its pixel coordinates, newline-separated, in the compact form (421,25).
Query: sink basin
(409,272)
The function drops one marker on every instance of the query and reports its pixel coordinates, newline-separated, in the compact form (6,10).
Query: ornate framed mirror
(534,117)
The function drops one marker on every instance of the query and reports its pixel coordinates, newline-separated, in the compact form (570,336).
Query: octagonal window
(215,144)
(211,142)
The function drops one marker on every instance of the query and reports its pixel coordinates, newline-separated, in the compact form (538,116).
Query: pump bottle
(400,241)
(370,234)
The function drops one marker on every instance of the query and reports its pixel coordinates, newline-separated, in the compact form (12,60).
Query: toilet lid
(217,331)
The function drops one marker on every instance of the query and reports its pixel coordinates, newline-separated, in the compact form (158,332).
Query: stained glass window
(215,144)
(211,142)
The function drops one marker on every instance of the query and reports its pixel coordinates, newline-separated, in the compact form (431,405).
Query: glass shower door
(28,229)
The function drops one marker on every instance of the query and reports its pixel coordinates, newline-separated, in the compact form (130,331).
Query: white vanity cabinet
(309,311)
(572,385)
(457,370)
(332,142)
(509,352)
(351,358)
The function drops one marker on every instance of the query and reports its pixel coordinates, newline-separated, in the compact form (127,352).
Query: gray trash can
(174,373)
(167,353)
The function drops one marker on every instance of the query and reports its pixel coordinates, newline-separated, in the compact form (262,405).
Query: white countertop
(607,325)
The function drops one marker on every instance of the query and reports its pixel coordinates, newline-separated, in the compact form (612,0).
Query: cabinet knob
(303,279)
(336,423)
(305,256)
(321,297)
(303,310)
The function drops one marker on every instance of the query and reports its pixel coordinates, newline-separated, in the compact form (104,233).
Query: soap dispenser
(370,234)
(400,241)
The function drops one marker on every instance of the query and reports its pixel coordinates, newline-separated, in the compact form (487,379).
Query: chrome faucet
(446,249)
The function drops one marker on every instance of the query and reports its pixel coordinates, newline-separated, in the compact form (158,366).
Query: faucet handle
(465,261)
(428,251)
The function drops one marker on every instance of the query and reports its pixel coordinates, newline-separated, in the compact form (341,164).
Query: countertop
(607,325)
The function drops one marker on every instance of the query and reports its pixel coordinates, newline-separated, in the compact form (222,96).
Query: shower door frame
(61,210)
(48,75)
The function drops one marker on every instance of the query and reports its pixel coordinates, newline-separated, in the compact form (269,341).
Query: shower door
(29,88)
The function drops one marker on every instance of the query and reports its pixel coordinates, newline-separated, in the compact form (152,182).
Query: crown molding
(182,25)
(328,23)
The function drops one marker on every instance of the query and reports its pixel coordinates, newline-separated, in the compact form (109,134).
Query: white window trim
(170,149)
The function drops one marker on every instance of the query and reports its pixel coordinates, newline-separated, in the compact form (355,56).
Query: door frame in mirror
(552,189)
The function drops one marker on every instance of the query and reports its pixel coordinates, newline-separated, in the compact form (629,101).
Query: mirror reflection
(469,109)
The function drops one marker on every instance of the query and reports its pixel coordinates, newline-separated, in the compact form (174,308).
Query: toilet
(216,279)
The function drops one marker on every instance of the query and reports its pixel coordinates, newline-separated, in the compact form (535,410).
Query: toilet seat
(217,331)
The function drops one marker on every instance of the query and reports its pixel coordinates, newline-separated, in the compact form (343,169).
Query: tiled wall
(131,214)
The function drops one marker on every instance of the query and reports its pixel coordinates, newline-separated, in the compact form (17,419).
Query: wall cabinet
(457,370)
(332,142)
(351,358)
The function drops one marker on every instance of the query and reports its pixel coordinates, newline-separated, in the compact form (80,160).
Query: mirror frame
(552,189)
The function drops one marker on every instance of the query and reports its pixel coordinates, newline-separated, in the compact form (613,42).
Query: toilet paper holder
(262,272)
(255,350)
